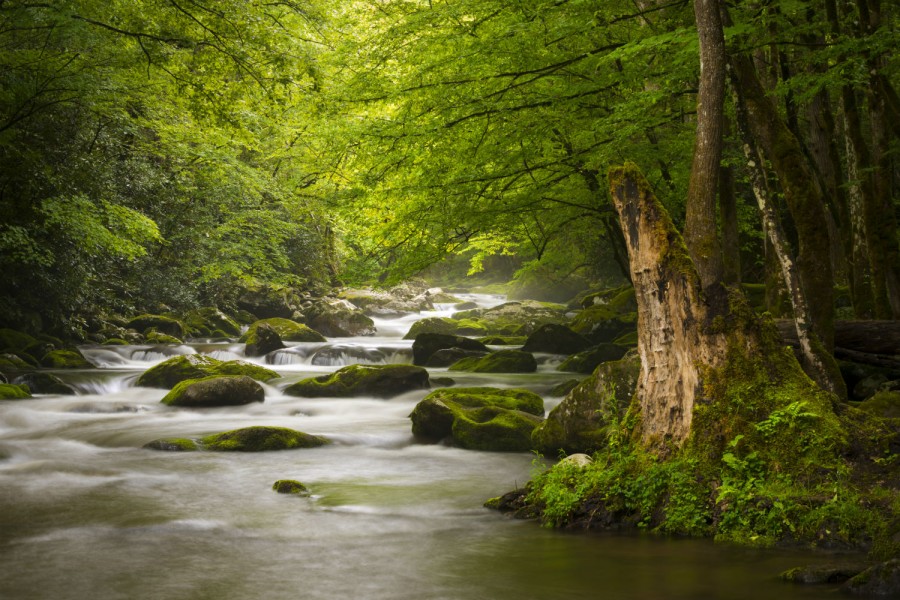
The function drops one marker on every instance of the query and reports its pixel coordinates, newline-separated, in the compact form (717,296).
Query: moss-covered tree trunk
(677,335)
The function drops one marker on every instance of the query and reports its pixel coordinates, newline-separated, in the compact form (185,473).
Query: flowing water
(85,512)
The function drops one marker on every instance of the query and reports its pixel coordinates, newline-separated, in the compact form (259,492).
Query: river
(86,512)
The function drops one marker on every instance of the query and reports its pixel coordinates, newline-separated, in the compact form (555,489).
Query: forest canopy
(172,153)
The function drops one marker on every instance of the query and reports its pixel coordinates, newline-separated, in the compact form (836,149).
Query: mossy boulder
(502,361)
(210,320)
(11,391)
(173,445)
(339,318)
(585,362)
(446,326)
(515,318)
(426,344)
(287,330)
(65,359)
(290,486)
(489,419)
(152,336)
(822,574)
(197,366)
(555,339)
(448,356)
(264,340)
(601,324)
(10,339)
(579,423)
(161,323)
(503,340)
(883,404)
(215,391)
(268,301)
(45,383)
(10,361)
(382,381)
(882,580)
(260,439)
(618,300)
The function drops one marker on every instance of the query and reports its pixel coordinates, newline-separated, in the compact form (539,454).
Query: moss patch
(10,391)
(65,359)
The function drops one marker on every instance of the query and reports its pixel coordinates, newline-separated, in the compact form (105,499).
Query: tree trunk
(700,233)
(674,341)
(731,246)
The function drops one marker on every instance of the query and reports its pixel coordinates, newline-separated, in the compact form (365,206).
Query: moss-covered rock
(160,323)
(503,340)
(269,301)
(618,300)
(65,359)
(264,340)
(555,339)
(629,339)
(446,326)
(822,574)
(585,362)
(601,324)
(479,418)
(173,445)
(287,330)
(10,361)
(11,391)
(197,366)
(515,318)
(210,320)
(339,319)
(564,388)
(382,381)
(448,356)
(215,391)
(502,361)
(290,486)
(152,336)
(45,383)
(883,404)
(427,344)
(882,580)
(580,422)
(260,439)
(10,339)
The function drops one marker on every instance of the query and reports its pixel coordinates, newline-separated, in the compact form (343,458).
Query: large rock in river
(259,439)
(65,359)
(215,391)
(555,339)
(264,340)
(287,330)
(40,382)
(585,362)
(161,323)
(382,381)
(339,318)
(426,344)
(502,361)
(580,421)
(479,418)
(196,366)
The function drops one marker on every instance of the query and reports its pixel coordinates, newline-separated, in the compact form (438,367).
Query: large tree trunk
(675,335)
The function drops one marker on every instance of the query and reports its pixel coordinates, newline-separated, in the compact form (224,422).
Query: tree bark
(700,233)
(674,341)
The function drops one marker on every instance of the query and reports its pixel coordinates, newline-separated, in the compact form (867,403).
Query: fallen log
(868,342)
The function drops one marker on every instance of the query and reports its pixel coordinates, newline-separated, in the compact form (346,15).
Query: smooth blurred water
(85,512)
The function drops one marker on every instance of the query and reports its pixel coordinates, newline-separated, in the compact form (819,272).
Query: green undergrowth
(769,461)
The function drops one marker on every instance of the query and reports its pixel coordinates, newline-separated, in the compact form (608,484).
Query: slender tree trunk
(803,198)
(731,246)
(700,232)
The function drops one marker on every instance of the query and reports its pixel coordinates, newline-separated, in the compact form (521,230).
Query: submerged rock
(502,361)
(382,381)
(260,439)
(215,391)
(579,422)
(882,580)
(197,366)
(483,418)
